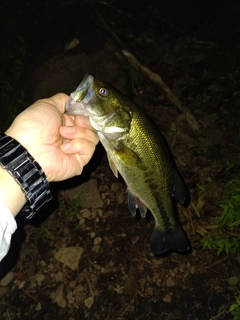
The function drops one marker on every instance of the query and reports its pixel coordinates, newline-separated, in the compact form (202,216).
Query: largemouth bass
(136,150)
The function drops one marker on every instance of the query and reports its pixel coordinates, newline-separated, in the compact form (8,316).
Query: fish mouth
(78,101)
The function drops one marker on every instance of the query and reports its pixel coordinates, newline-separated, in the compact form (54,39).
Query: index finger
(83,122)
(59,100)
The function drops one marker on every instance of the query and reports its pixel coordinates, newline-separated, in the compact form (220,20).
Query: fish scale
(136,150)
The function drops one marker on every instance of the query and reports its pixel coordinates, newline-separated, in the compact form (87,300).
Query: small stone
(96,249)
(100,213)
(233,281)
(58,296)
(88,302)
(170,282)
(167,298)
(108,213)
(86,213)
(70,297)
(92,234)
(39,277)
(72,284)
(97,241)
(42,263)
(21,284)
(94,214)
(7,279)
(38,307)
(80,293)
(69,256)
(81,221)
(58,276)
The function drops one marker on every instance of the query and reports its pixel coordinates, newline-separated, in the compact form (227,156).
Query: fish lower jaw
(76,108)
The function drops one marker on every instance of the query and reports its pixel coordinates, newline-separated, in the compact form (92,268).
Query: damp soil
(116,276)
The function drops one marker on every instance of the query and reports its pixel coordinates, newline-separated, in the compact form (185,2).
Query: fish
(135,148)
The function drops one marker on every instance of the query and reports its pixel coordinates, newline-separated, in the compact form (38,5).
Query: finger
(59,100)
(83,122)
(75,132)
(79,146)
(68,119)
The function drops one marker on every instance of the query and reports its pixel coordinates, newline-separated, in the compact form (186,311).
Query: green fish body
(136,150)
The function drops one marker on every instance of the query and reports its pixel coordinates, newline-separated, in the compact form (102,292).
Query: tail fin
(162,241)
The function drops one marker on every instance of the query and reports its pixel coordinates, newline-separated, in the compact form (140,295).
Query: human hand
(62,144)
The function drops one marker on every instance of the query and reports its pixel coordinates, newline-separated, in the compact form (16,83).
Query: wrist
(26,172)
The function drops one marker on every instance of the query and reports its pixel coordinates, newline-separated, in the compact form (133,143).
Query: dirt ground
(91,259)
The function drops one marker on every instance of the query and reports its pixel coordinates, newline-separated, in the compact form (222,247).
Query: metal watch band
(27,172)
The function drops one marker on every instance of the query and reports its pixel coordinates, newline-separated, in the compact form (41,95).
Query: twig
(90,287)
(218,315)
(155,78)
(128,306)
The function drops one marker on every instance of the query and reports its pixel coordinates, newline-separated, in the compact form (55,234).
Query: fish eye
(103,92)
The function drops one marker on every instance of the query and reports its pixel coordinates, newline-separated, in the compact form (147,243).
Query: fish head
(104,105)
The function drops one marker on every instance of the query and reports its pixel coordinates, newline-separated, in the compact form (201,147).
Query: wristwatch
(27,172)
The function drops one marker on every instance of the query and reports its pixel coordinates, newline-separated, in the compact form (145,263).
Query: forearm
(12,200)
(11,193)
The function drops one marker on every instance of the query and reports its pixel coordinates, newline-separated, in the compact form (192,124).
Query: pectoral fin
(112,166)
(128,156)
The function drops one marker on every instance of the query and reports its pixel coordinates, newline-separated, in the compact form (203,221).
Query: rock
(39,278)
(70,297)
(69,256)
(86,214)
(80,293)
(58,296)
(92,234)
(38,307)
(170,282)
(87,194)
(100,213)
(42,263)
(96,249)
(167,298)
(97,241)
(88,302)
(58,276)
(7,279)
(81,221)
